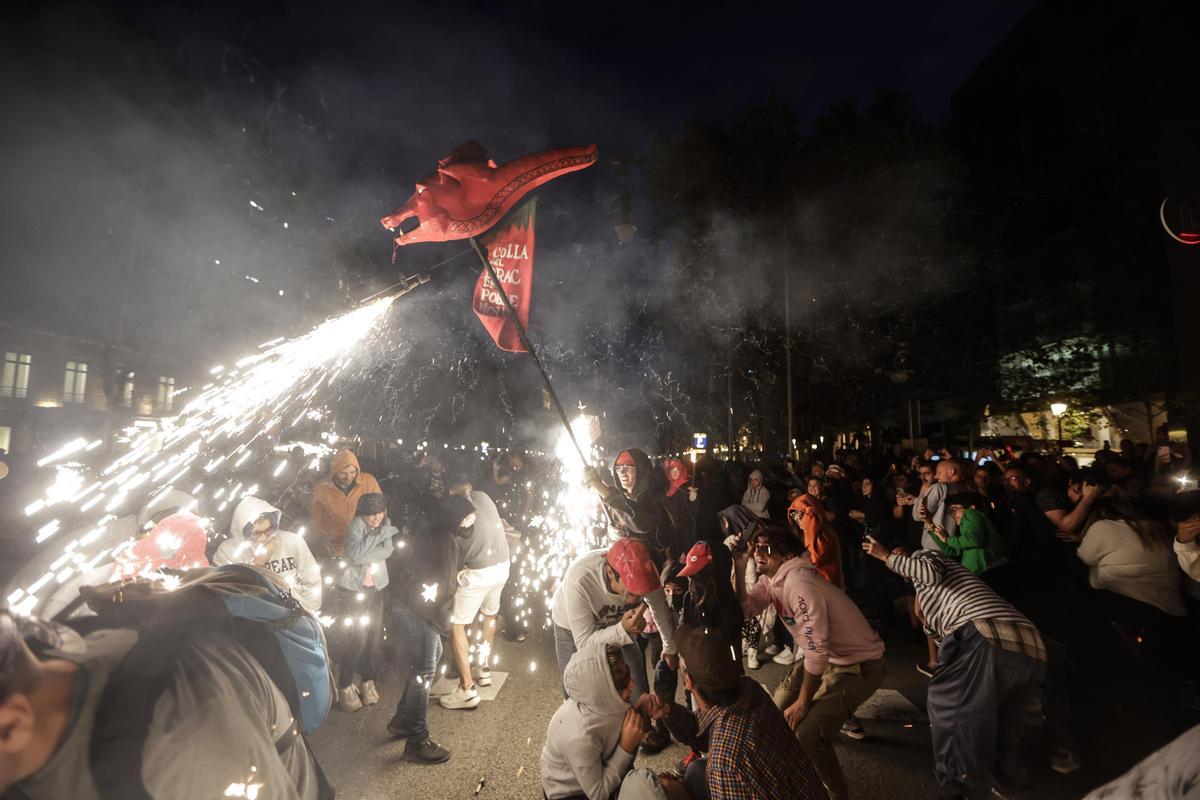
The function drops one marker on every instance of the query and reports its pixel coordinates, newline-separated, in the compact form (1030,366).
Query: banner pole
(528,345)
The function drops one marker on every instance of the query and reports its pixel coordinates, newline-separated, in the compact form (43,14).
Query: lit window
(14,382)
(5,439)
(127,391)
(75,382)
(166,393)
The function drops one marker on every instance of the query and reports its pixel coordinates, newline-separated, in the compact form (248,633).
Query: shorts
(478,590)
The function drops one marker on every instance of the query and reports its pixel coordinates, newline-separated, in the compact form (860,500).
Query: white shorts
(478,590)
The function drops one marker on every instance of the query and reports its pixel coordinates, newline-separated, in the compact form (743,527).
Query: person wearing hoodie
(425,572)
(842,661)
(756,495)
(255,538)
(635,503)
(335,503)
(806,517)
(483,572)
(594,735)
(357,596)
(681,506)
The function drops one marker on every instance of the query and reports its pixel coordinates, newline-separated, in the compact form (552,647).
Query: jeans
(421,648)
(564,648)
(696,778)
(355,646)
(977,701)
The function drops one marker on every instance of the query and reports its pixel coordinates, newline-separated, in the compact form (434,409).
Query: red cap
(697,559)
(625,459)
(631,560)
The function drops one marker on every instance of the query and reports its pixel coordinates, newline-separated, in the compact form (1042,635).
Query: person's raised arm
(1073,521)
(664,618)
(928,571)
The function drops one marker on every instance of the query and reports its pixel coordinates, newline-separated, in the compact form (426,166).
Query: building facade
(55,387)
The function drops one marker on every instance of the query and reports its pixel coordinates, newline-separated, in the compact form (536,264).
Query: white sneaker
(771,649)
(348,698)
(752,658)
(785,657)
(460,698)
(370,695)
(482,674)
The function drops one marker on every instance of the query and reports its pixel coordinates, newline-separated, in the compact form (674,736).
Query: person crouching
(594,735)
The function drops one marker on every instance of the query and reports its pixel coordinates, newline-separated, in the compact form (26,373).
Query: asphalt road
(497,745)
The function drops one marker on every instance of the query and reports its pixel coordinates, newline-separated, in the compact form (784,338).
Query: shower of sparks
(226,424)
(565,522)
(429,592)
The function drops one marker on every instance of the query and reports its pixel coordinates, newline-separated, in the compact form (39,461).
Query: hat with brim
(699,557)
(633,565)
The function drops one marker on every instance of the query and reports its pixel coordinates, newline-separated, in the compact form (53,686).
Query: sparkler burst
(566,523)
(246,405)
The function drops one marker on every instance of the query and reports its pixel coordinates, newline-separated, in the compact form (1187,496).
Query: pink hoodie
(825,623)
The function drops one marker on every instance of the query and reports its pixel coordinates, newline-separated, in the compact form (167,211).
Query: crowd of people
(1034,586)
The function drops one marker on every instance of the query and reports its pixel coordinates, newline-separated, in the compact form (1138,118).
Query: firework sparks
(221,425)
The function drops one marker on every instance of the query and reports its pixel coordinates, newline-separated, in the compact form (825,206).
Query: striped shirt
(949,595)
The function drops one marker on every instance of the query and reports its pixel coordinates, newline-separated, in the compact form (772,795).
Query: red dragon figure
(469,194)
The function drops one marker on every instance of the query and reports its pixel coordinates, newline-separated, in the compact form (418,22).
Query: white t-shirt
(1118,562)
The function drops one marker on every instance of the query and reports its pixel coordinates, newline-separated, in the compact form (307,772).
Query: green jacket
(977,544)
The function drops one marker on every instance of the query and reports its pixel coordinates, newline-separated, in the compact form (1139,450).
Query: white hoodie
(292,560)
(582,752)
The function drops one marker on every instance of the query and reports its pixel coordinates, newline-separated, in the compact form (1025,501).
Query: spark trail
(257,397)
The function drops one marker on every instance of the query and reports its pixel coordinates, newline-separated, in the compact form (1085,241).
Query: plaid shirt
(752,753)
(1018,637)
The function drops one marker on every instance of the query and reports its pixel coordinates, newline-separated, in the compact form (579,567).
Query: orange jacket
(333,509)
(819,538)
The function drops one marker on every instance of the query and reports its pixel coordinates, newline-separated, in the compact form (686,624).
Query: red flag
(510,249)
(469,193)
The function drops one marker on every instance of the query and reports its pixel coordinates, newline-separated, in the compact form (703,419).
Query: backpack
(250,605)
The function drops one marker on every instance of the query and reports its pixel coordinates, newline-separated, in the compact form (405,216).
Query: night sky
(138,135)
(390,83)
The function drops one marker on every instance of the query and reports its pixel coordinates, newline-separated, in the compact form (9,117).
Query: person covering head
(456,515)
(255,538)
(216,703)
(739,521)
(709,658)
(806,515)
(581,755)
(177,542)
(371,504)
(677,475)
(335,501)
(633,565)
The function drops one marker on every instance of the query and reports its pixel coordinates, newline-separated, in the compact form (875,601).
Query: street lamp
(1058,409)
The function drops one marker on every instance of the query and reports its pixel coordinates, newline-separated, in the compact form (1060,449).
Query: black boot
(426,752)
